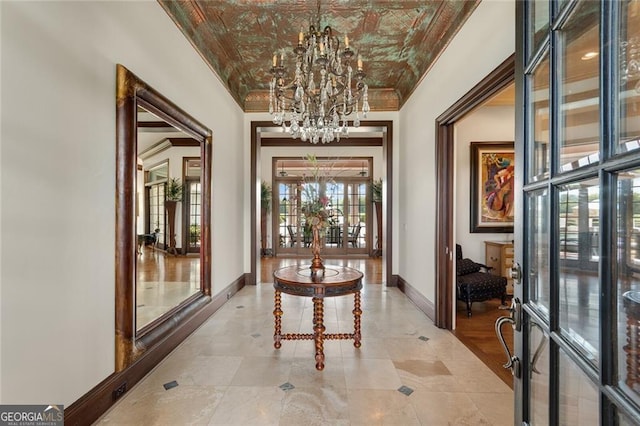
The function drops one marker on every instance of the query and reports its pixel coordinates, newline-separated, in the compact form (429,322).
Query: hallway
(407,372)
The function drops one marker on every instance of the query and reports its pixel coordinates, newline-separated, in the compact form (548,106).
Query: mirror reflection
(168,218)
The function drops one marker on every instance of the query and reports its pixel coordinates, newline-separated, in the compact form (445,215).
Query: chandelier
(315,99)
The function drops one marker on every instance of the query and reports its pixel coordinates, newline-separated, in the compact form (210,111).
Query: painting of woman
(497,176)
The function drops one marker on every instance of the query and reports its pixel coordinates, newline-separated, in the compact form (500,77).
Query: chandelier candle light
(323,91)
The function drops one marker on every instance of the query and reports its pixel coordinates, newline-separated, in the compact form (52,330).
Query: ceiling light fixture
(363,171)
(322,92)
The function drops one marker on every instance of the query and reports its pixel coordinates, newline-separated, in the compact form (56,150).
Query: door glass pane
(194,215)
(578,243)
(539,21)
(625,421)
(539,375)
(357,216)
(287,220)
(578,397)
(560,6)
(192,167)
(579,88)
(334,235)
(157,213)
(629,53)
(628,260)
(538,157)
(538,249)
(158,173)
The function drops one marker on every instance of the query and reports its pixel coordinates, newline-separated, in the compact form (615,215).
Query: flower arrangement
(314,202)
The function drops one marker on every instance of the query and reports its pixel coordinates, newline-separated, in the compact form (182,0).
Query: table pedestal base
(318,335)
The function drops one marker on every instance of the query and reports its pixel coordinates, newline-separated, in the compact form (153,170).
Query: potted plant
(376,190)
(265,205)
(174,189)
(173,195)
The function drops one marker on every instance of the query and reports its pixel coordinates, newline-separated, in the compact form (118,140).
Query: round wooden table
(333,281)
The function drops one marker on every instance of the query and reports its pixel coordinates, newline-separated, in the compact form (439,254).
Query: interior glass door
(578,237)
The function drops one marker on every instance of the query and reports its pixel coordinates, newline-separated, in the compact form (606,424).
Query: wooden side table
(499,256)
(334,281)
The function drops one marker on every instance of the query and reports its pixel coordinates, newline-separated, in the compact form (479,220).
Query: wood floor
(156,265)
(477,332)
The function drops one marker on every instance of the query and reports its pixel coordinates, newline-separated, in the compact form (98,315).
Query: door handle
(515,313)
(516,273)
(515,310)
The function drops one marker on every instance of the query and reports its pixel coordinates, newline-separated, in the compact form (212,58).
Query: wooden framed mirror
(147,233)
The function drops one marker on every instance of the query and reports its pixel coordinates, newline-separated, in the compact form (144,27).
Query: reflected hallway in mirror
(167,217)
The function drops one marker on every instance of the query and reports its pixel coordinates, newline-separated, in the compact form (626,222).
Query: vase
(170,205)
(316,262)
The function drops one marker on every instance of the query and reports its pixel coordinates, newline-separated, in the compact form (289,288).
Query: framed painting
(492,192)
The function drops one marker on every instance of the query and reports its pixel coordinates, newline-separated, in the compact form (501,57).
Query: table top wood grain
(333,281)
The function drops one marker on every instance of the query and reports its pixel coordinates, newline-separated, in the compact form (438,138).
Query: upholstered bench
(475,283)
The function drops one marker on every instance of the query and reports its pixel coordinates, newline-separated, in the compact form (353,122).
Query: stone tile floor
(407,372)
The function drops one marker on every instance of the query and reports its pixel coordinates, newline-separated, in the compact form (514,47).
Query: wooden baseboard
(424,304)
(88,408)
(394,281)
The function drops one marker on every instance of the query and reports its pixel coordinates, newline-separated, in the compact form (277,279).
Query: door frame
(493,83)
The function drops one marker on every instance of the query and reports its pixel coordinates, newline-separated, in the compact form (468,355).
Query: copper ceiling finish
(399,40)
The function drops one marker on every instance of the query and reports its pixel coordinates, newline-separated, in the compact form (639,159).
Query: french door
(191,233)
(349,212)
(156,217)
(192,207)
(576,303)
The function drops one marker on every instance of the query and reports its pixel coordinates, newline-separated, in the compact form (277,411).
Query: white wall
(58,178)
(490,124)
(485,41)
(328,150)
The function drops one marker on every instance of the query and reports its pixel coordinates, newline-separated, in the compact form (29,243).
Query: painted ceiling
(398,40)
